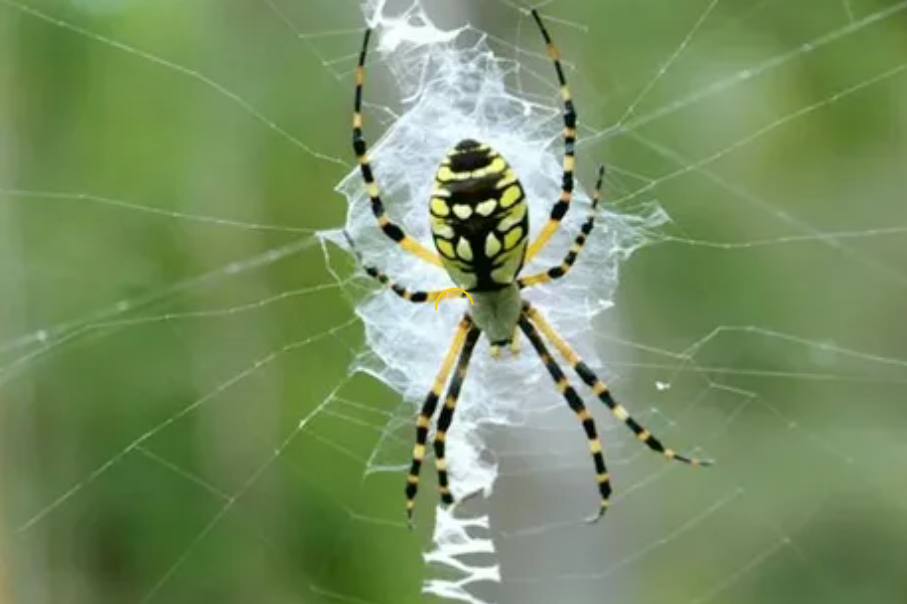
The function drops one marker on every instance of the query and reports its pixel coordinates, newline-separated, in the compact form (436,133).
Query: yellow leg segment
(360,147)
(569,162)
(564,267)
(428,409)
(601,390)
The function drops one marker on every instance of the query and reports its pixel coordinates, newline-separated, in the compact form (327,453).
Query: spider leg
(428,409)
(376,273)
(576,404)
(447,413)
(556,272)
(391,229)
(601,390)
(563,204)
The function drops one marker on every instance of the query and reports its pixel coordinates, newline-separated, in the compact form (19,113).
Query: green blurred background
(154,367)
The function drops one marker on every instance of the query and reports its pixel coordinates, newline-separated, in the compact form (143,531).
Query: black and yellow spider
(480,226)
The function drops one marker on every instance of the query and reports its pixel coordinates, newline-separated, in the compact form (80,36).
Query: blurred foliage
(170,444)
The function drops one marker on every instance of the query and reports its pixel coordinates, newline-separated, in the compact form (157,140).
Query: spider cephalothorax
(480,226)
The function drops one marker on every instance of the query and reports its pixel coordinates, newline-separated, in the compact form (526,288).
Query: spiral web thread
(783,399)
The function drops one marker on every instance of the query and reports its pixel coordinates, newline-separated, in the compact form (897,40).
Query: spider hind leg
(603,393)
(447,412)
(579,408)
(428,409)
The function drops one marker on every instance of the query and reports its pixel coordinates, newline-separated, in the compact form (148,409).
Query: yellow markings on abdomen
(513,218)
(464,250)
(463,279)
(478,217)
(440,228)
(445,174)
(462,211)
(509,179)
(439,207)
(445,247)
(486,208)
(492,246)
(496,166)
(513,237)
(504,274)
(511,195)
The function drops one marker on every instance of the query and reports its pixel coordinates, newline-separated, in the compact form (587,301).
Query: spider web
(203,398)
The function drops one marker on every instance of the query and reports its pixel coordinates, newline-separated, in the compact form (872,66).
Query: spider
(480,226)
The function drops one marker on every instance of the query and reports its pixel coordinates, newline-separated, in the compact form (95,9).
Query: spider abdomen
(479,218)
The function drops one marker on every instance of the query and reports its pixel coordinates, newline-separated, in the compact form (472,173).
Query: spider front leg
(464,329)
(563,204)
(407,294)
(556,272)
(576,404)
(603,393)
(391,229)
